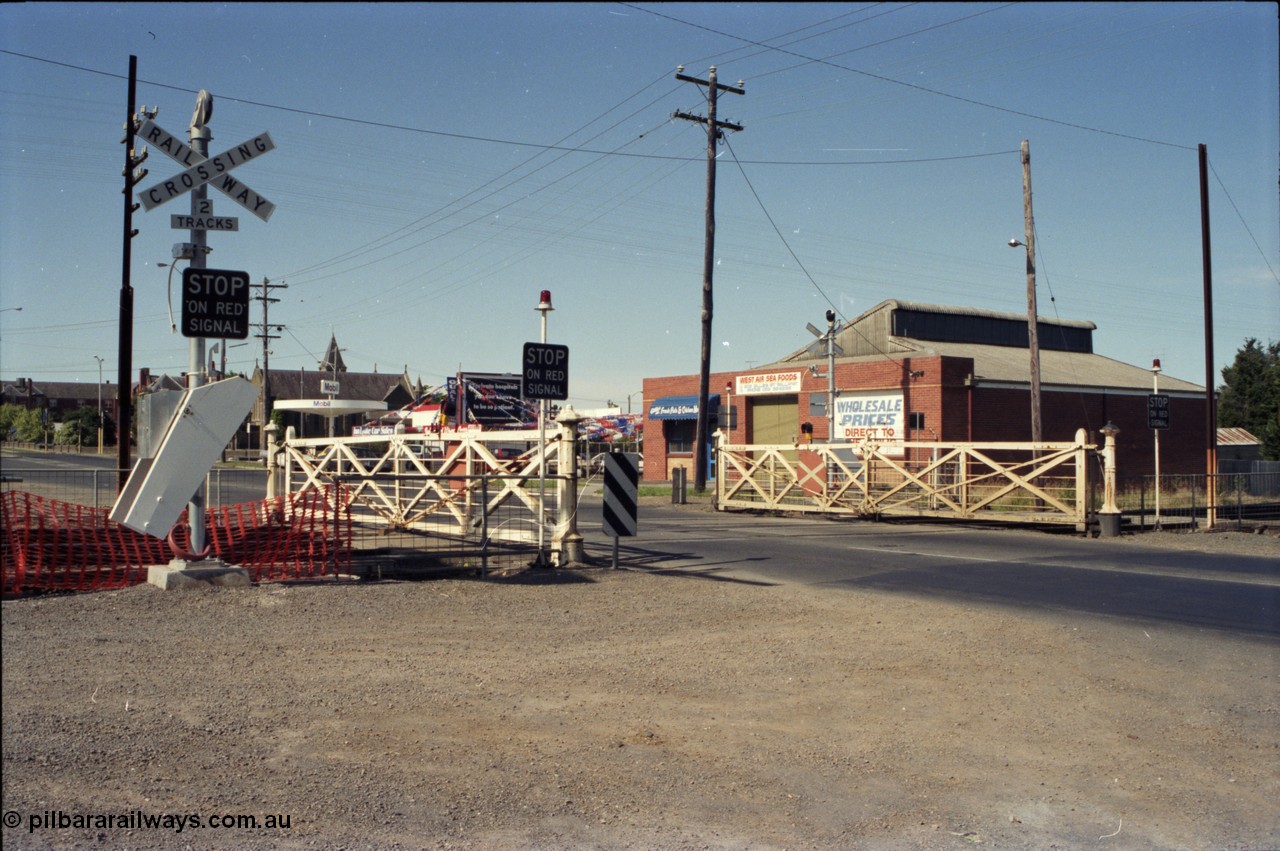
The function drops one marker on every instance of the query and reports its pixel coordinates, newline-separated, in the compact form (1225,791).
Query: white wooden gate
(1042,483)
(448,483)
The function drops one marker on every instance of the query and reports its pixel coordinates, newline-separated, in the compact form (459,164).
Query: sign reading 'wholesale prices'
(870,417)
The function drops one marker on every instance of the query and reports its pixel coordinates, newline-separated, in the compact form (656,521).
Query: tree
(9,414)
(1250,394)
(80,428)
(29,426)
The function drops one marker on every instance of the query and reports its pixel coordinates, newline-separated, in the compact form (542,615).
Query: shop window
(679,435)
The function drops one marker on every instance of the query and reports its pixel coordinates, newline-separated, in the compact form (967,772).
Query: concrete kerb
(180,574)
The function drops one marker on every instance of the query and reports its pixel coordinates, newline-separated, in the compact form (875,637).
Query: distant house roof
(997,343)
(1236,437)
(305,384)
(25,388)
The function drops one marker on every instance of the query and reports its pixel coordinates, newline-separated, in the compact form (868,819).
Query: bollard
(679,483)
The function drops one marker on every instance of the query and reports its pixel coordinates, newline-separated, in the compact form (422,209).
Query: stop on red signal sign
(545,371)
(215,303)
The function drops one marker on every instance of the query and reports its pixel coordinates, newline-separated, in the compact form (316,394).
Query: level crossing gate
(1006,481)
(499,488)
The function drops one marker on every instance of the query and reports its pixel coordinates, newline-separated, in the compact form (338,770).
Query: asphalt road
(1023,569)
(70,476)
(960,562)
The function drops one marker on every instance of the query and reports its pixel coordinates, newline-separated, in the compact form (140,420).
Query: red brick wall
(655,442)
(1005,414)
(958,411)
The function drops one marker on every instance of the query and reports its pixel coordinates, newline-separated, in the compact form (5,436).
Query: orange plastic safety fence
(50,545)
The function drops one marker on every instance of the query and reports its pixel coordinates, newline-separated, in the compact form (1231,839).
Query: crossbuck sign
(213,171)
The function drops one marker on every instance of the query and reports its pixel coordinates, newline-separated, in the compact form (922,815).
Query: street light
(99,360)
(3,309)
(173,328)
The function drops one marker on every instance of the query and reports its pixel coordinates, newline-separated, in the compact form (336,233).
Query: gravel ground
(629,709)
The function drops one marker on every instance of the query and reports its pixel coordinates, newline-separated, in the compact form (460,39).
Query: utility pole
(1033,319)
(124,365)
(1210,402)
(266,337)
(714,133)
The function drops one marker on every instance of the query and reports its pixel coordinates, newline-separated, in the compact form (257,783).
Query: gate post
(1082,480)
(287,471)
(570,540)
(270,450)
(1109,515)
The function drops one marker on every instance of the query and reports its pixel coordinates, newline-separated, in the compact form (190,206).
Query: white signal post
(200,137)
(544,307)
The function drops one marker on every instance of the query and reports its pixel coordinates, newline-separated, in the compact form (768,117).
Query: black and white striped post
(621,479)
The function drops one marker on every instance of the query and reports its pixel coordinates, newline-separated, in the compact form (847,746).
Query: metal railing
(1197,500)
(95,487)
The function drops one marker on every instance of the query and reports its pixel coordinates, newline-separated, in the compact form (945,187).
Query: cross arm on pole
(719,86)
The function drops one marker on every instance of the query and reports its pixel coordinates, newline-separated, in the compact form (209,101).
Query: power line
(569,149)
(408,229)
(918,87)
(1243,222)
(795,257)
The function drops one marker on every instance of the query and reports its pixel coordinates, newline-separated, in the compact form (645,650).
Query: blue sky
(437,165)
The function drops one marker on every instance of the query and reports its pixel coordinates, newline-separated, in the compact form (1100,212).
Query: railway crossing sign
(213,171)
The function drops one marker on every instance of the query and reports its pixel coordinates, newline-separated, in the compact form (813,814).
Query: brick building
(911,372)
(59,397)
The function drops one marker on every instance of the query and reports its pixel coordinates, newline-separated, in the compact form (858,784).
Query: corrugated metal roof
(1236,437)
(1003,364)
(921,307)
(865,340)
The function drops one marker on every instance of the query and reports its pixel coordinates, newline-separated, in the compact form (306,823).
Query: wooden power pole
(715,130)
(1033,318)
(1210,380)
(133,174)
